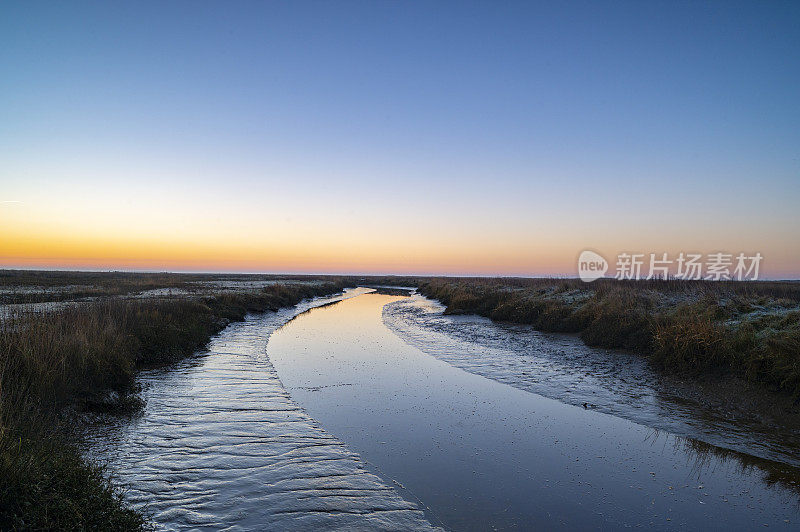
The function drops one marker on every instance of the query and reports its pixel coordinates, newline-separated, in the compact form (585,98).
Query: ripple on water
(221,445)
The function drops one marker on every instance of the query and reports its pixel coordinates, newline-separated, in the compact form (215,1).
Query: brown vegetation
(749,329)
(81,355)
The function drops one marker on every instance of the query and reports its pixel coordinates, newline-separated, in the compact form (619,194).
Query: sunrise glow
(382,145)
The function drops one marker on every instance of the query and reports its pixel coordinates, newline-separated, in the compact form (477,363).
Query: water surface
(480,454)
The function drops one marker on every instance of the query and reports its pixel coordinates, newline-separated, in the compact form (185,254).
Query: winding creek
(368,411)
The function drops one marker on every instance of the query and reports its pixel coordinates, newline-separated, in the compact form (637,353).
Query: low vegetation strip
(748,329)
(86,356)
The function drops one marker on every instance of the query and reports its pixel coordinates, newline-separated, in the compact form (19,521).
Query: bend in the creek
(221,444)
(562,367)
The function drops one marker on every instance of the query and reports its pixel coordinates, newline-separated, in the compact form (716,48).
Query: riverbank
(748,330)
(221,445)
(85,357)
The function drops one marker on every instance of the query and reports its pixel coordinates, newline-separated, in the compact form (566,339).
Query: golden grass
(75,356)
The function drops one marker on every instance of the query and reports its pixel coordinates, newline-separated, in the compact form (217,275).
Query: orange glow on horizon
(32,250)
(83,253)
(41,239)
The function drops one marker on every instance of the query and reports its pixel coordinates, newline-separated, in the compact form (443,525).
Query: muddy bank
(748,329)
(723,412)
(70,358)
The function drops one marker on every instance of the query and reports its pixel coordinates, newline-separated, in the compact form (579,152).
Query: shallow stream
(378,412)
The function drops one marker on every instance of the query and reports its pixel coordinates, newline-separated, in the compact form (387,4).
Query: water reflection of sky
(479,453)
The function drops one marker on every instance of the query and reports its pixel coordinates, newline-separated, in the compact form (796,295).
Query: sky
(490,138)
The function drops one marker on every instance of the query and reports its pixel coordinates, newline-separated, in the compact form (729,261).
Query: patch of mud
(235,284)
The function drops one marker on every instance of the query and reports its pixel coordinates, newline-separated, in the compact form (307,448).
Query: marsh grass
(22,286)
(79,356)
(47,485)
(748,329)
(31,286)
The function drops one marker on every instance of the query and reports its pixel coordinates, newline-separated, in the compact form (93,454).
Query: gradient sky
(396,137)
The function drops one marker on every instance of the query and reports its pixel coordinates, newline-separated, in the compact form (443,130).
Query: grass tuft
(86,356)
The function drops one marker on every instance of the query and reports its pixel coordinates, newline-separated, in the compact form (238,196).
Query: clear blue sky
(537,129)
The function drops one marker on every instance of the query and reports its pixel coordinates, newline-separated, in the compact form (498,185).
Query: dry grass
(76,356)
(749,329)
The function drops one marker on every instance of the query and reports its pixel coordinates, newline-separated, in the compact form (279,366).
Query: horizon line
(361,274)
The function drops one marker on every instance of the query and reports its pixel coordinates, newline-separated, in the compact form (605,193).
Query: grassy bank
(32,286)
(747,329)
(86,356)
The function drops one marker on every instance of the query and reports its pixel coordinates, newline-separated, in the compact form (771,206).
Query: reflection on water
(373,433)
(562,367)
(478,453)
(222,445)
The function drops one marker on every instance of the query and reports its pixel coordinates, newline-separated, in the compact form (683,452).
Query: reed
(85,356)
